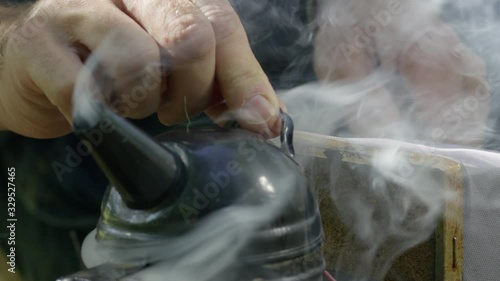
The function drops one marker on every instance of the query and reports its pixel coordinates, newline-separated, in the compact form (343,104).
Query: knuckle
(224,20)
(22,35)
(140,60)
(190,37)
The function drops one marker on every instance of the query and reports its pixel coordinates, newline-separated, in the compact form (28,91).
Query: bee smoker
(153,180)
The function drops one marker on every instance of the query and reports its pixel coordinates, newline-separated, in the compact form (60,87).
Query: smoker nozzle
(144,172)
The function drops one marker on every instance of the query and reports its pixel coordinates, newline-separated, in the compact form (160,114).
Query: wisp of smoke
(208,251)
(401,208)
(398,208)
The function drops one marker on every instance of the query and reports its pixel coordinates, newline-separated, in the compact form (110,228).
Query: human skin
(444,80)
(207,65)
(211,67)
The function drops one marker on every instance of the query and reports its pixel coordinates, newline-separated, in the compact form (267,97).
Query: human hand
(208,55)
(445,94)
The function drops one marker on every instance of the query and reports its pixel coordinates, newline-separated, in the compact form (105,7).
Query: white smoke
(204,253)
(399,208)
(455,40)
(211,249)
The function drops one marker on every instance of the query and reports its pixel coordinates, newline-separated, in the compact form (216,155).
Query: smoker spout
(144,172)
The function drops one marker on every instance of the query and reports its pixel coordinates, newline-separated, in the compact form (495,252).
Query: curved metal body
(224,168)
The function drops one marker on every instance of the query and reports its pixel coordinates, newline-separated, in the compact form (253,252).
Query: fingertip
(270,129)
(258,109)
(275,127)
(167,119)
(259,113)
(283,106)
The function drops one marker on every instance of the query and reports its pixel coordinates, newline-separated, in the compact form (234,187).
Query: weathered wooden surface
(438,258)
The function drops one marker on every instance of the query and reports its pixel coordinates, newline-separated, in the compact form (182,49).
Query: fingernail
(276,126)
(258,110)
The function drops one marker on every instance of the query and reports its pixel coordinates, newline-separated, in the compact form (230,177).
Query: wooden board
(437,258)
